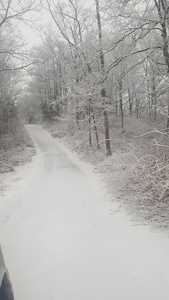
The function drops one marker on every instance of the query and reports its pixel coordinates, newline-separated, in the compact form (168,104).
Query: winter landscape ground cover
(63,235)
(137,171)
(99,75)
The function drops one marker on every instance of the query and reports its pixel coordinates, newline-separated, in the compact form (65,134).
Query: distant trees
(8,110)
(12,58)
(162,7)
(74,62)
(103,63)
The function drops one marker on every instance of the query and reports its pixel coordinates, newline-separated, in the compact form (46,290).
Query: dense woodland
(107,58)
(13,59)
(104,60)
(100,63)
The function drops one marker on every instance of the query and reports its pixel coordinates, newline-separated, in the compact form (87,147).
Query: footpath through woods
(63,240)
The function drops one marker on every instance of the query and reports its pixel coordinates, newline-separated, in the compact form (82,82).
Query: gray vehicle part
(3,269)
(6,291)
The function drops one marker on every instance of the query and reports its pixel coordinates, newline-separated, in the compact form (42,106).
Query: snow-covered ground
(63,239)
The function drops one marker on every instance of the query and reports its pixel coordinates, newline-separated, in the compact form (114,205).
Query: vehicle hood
(2,267)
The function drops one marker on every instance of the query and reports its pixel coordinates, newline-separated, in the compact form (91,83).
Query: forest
(99,79)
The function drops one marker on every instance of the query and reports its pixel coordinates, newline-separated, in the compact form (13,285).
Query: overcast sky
(31,34)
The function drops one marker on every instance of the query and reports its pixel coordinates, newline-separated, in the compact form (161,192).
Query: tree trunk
(96,132)
(103,90)
(130,102)
(91,115)
(168,118)
(90,123)
(116,100)
(120,94)
(90,131)
(77,115)
(137,107)
(154,98)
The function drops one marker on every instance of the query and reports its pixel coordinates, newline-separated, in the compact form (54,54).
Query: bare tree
(162,7)
(12,58)
(15,10)
(102,73)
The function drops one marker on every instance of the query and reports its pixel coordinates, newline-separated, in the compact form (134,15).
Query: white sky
(32,35)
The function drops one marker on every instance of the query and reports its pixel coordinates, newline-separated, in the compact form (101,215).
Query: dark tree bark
(103,90)
(130,102)
(96,132)
(120,94)
(154,97)
(92,116)
(137,107)
(90,131)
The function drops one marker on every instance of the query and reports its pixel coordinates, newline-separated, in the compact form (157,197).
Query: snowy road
(61,242)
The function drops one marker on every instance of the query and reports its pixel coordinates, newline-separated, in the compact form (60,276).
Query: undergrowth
(15,149)
(137,171)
